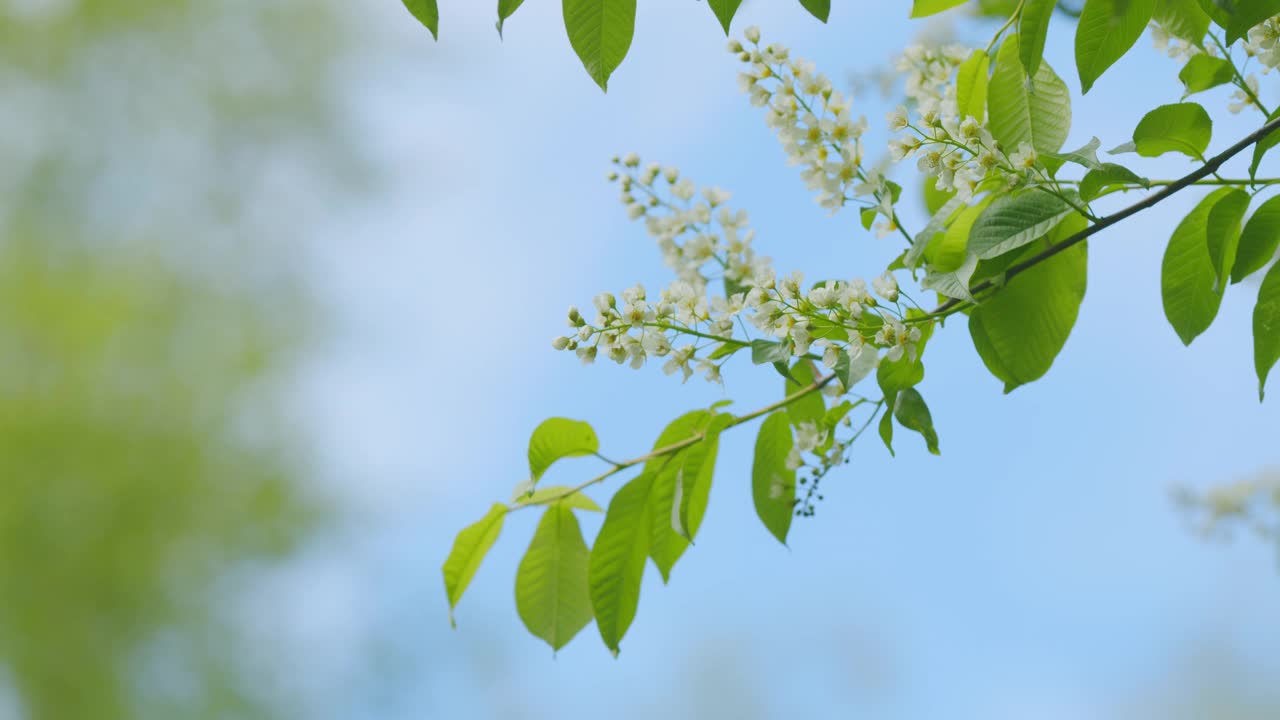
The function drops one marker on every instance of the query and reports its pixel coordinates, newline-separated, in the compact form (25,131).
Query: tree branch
(690,441)
(1189,179)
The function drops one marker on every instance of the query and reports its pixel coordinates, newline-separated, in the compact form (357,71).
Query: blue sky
(1036,569)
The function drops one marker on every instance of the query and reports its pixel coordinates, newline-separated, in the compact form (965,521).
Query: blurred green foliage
(150,317)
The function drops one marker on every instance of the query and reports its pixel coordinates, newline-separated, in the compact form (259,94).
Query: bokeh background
(278,281)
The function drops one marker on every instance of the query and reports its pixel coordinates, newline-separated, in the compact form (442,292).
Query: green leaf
(767,351)
(1262,146)
(1224,234)
(427,13)
(1106,31)
(724,10)
(954,284)
(469,549)
(1107,175)
(1180,127)
(868,217)
(1183,19)
(1259,240)
(900,374)
(934,198)
(850,372)
(556,494)
(923,239)
(600,32)
(1248,13)
(1014,220)
(886,424)
(971,87)
(552,595)
(773,486)
(1038,113)
(1266,328)
(617,563)
(811,407)
(559,438)
(506,8)
(923,8)
(1187,276)
(1020,330)
(912,413)
(1086,157)
(1033,27)
(818,8)
(1205,71)
(681,486)
(947,252)
(1218,10)
(693,491)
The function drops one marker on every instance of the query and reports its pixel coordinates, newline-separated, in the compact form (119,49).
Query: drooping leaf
(886,423)
(600,32)
(971,86)
(773,485)
(427,13)
(811,407)
(912,413)
(552,595)
(1259,241)
(506,8)
(923,8)
(724,10)
(469,549)
(1224,234)
(1086,157)
(556,494)
(1033,28)
(1204,71)
(1181,127)
(558,438)
(954,284)
(1247,13)
(852,371)
(694,490)
(934,198)
(818,8)
(900,374)
(1183,19)
(1014,220)
(767,351)
(1019,331)
(1038,112)
(1262,146)
(1108,175)
(1266,328)
(1106,31)
(681,486)
(616,567)
(947,252)
(1187,277)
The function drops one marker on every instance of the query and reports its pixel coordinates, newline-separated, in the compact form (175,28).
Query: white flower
(886,286)
(793,462)
(1024,158)
(560,343)
(752,34)
(808,436)
(897,119)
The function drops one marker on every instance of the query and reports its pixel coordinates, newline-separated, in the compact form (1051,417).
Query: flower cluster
(959,151)
(695,328)
(1263,43)
(813,120)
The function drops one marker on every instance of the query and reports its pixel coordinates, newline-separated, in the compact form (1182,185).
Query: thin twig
(690,441)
